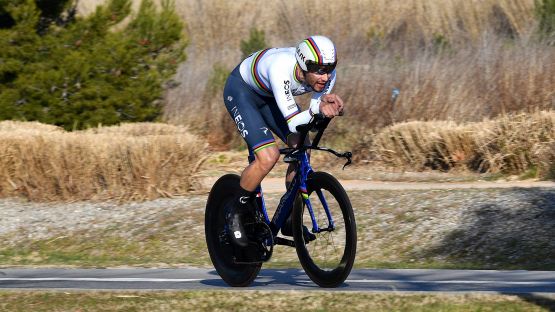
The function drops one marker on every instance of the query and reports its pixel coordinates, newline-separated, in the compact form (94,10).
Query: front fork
(306,169)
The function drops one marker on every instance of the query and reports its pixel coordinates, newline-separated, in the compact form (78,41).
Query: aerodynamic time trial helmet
(316,54)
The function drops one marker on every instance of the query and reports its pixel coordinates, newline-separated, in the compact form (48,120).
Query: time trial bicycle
(314,200)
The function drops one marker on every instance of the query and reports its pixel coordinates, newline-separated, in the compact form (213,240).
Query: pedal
(261,244)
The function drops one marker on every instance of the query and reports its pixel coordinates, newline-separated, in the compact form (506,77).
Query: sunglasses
(320,69)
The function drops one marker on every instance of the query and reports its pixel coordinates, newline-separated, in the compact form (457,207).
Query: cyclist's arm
(281,88)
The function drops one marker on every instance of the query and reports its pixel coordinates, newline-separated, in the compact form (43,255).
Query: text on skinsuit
(287,87)
(239,122)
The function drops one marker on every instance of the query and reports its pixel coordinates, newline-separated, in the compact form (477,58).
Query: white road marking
(98,279)
(182,280)
(452,282)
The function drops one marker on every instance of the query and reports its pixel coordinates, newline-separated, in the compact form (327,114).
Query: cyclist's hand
(331,105)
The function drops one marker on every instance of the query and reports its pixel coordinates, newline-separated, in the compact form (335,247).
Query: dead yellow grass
(134,161)
(452,60)
(510,144)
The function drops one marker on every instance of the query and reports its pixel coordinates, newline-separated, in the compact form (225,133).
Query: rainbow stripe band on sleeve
(262,145)
(254,71)
(288,118)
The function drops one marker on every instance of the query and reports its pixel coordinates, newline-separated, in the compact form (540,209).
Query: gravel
(479,228)
(43,220)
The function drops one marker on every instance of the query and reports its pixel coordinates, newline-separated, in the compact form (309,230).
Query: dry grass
(228,300)
(136,161)
(510,144)
(453,60)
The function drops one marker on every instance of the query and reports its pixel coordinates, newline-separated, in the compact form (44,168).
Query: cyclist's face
(317,81)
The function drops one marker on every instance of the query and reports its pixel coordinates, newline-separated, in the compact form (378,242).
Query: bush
(256,42)
(129,161)
(545,12)
(216,82)
(81,72)
(512,144)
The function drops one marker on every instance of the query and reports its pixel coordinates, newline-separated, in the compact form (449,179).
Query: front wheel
(329,258)
(219,247)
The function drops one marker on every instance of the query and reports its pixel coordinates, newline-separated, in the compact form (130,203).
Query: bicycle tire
(321,272)
(221,255)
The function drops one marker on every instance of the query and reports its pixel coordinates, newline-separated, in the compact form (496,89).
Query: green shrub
(545,12)
(83,72)
(216,82)
(256,42)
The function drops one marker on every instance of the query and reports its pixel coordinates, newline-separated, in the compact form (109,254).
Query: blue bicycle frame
(301,157)
(285,205)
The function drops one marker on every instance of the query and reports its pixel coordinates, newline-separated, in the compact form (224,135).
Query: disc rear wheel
(219,245)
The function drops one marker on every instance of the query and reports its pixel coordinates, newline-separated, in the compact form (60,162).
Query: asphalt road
(507,282)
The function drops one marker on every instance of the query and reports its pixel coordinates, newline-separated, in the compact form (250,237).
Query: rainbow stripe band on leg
(262,145)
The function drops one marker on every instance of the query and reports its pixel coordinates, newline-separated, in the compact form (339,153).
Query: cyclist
(259,97)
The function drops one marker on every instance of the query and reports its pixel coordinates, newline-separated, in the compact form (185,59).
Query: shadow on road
(292,277)
(513,230)
(541,301)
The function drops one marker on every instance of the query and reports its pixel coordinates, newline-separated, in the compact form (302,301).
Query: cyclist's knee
(267,158)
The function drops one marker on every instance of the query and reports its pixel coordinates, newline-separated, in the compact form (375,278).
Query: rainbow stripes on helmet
(316,50)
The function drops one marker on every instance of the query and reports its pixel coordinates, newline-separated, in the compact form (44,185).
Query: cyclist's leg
(244,105)
(275,120)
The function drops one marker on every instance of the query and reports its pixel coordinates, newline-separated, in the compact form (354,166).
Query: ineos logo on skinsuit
(287,88)
(239,121)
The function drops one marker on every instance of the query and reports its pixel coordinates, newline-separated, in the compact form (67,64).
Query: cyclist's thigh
(241,103)
(275,120)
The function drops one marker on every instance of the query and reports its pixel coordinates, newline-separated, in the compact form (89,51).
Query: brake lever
(347,155)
